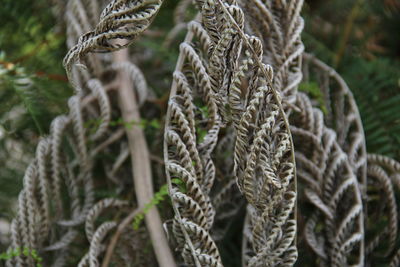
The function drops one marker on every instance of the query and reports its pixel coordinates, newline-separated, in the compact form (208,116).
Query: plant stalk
(141,166)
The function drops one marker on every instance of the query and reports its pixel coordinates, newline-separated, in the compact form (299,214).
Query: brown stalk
(141,168)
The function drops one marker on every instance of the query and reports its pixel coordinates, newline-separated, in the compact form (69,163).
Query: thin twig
(114,239)
(118,134)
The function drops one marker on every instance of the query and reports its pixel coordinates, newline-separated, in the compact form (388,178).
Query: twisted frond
(81,16)
(63,166)
(264,165)
(263,157)
(54,171)
(191,133)
(121,21)
(59,190)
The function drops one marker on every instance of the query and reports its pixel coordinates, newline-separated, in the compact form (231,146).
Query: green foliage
(360,39)
(31,72)
(33,87)
(25,251)
(157,199)
(375,85)
(314,91)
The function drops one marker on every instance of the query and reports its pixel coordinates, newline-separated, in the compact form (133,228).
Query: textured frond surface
(335,228)
(279,25)
(263,162)
(191,133)
(241,88)
(340,112)
(60,192)
(382,225)
(120,22)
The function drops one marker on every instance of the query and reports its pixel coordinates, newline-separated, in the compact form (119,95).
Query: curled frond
(121,21)
(264,167)
(331,187)
(340,112)
(263,154)
(58,191)
(193,122)
(382,225)
(57,170)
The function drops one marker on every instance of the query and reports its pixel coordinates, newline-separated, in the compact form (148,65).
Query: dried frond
(191,132)
(335,228)
(55,170)
(263,156)
(341,113)
(228,148)
(64,164)
(129,248)
(278,24)
(58,192)
(382,226)
(121,21)
(81,16)
(264,163)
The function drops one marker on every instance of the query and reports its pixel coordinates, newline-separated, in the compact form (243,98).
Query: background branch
(140,157)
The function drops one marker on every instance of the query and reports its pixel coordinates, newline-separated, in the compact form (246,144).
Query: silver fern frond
(58,192)
(263,157)
(265,169)
(191,133)
(121,21)
(331,186)
(382,196)
(41,207)
(341,113)
(279,25)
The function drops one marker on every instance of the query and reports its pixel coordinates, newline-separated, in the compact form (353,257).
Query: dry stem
(142,176)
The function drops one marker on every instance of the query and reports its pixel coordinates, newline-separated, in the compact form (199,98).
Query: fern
(25,252)
(236,98)
(157,199)
(314,91)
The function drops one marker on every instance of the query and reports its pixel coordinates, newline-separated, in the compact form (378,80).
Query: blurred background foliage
(360,38)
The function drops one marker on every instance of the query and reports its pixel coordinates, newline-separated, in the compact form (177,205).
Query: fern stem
(142,176)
